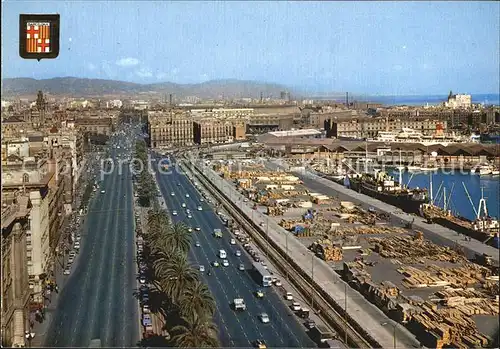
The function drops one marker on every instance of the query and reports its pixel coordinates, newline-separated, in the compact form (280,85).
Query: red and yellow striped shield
(38,37)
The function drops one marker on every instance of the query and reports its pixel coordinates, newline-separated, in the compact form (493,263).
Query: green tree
(176,276)
(197,300)
(198,332)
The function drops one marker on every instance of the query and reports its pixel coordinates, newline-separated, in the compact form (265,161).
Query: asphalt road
(98,300)
(237,329)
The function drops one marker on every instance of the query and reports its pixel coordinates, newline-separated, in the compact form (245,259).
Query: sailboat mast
(444,200)
(470,200)
(400,170)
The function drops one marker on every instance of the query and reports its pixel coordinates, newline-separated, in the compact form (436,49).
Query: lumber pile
(326,250)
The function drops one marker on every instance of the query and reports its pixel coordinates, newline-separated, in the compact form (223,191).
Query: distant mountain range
(79,87)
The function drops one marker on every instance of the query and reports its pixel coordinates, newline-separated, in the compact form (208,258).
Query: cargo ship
(484,228)
(383,187)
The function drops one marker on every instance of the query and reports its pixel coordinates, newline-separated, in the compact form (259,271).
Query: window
(26,178)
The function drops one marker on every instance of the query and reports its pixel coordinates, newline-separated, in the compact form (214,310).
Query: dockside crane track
(330,311)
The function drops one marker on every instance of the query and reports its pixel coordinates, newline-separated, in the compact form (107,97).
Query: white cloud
(91,67)
(144,73)
(127,62)
(398,67)
(204,77)
(161,76)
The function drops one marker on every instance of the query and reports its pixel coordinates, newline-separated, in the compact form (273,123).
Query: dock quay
(359,309)
(434,232)
(419,291)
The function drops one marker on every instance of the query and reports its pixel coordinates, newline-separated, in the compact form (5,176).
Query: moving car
(259,294)
(260,344)
(278,283)
(187,195)
(183,205)
(202,268)
(142,280)
(197,244)
(200,208)
(237,253)
(264,318)
(215,263)
(174,213)
(295,306)
(241,267)
(189,216)
(190,229)
(103,191)
(289,296)
(225,263)
(67,271)
(198,229)
(172,194)
(232,242)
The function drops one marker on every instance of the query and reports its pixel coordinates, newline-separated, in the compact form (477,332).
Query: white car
(172,194)
(183,205)
(225,263)
(264,318)
(142,280)
(200,208)
(197,244)
(202,268)
(232,242)
(202,199)
(103,191)
(67,271)
(77,245)
(289,296)
(245,200)
(190,230)
(277,283)
(238,253)
(241,267)
(295,306)
(187,195)
(198,228)
(71,259)
(189,216)
(174,213)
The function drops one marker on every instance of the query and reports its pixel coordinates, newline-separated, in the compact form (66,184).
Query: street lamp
(394,333)
(29,337)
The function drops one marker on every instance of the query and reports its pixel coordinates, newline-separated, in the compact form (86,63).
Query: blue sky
(363,47)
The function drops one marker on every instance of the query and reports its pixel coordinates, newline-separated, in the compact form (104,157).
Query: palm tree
(198,332)
(197,300)
(178,237)
(176,276)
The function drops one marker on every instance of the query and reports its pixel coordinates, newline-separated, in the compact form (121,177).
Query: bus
(95,343)
(262,274)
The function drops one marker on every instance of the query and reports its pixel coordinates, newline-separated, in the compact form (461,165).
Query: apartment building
(168,129)
(95,126)
(369,127)
(212,131)
(30,179)
(15,291)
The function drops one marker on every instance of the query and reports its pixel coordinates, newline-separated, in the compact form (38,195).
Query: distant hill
(98,87)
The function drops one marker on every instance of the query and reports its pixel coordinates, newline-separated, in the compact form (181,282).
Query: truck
(217,233)
(262,275)
(320,334)
(239,304)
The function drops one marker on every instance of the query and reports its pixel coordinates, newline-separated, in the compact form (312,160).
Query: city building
(458,101)
(96,126)
(16,251)
(30,179)
(369,127)
(168,129)
(211,131)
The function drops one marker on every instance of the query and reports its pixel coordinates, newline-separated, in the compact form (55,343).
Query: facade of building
(458,101)
(15,293)
(96,126)
(168,129)
(368,127)
(211,131)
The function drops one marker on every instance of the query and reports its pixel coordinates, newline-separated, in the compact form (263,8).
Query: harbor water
(457,199)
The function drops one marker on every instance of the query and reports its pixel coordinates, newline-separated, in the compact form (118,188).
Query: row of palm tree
(186,302)
(188,297)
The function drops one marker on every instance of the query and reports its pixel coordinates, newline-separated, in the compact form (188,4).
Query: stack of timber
(326,250)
